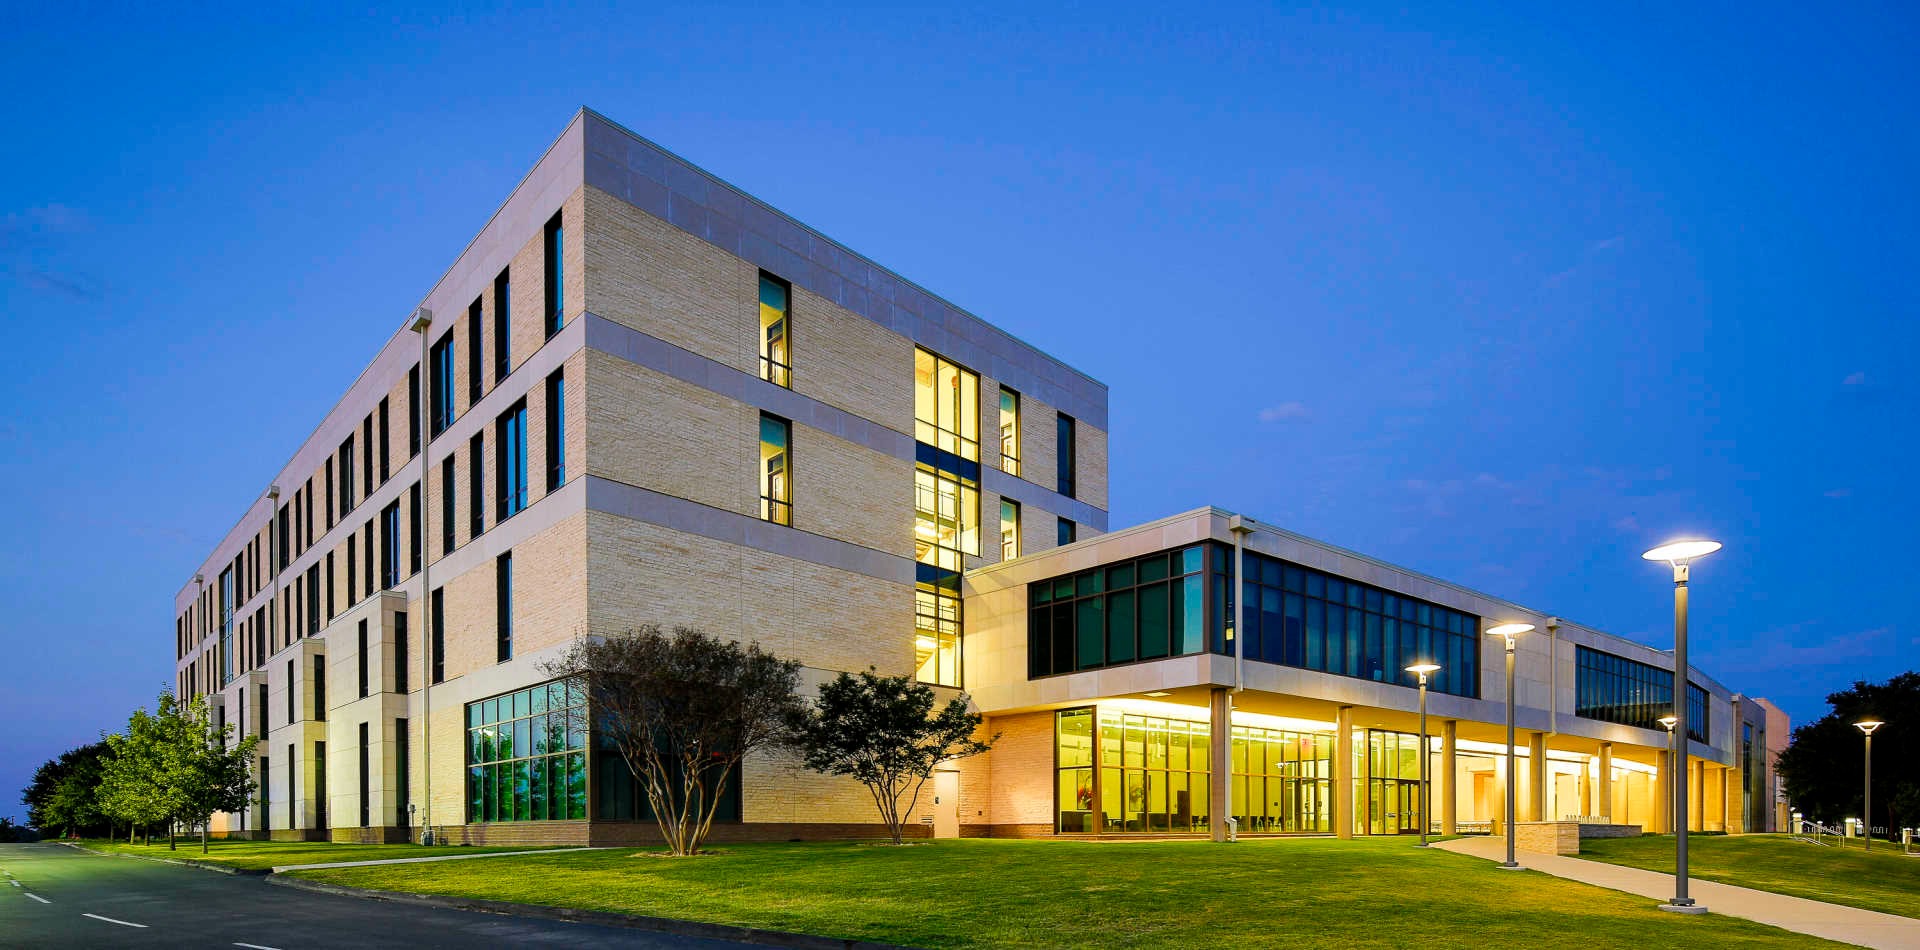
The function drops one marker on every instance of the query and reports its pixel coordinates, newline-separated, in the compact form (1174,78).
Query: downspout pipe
(1553,676)
(422,323)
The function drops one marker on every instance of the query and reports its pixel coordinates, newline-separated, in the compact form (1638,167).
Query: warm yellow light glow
(1423,669)
(1669,722)
(1868,725)
(1509,629)
(1680,552)
(1156,694)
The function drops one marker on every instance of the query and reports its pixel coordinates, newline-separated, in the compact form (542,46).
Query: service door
(946,804)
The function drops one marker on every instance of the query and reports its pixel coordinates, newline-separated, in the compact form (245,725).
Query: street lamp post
(1866,727)
(1509,631)
(1426,796)
(1681,555)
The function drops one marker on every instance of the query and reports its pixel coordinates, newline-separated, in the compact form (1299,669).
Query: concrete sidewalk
(1865,928)
(437,857)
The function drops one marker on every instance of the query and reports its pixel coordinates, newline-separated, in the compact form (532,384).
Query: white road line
(255,946)
(38,898)
(123,923)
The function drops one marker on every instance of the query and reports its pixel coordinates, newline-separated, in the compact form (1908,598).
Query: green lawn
(1882,880)
(262,855)
(1305,892)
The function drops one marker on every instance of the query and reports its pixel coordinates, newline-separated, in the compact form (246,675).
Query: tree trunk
(203,837)
(171,846)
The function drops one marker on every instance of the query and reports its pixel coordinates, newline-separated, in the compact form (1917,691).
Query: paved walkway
(437,857)
(1817,918)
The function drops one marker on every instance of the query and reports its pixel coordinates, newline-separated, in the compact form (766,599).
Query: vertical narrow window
(320,689)
(400,652)
(503,606)
(291,700)
(510,462)
(283,523)
(1009,529)
(1068,531)
(328,493)
(292,792)
(556,430)
(402,795)
(226,626)
(366,455)
(776,480)
(502,324)
(329,586)
(440,384)
(366,803)
(366,547)
(313,600)
(556,272)
(1064,454)
(447,505)
(386,440)
(320,785)
(413,410)
(346,477)
(946,405)
(776,364)
(299,534)
(260,710)
(353,579)
(477,485)
(266,816)
(416,529)
(936,642)
(474,351)
(390,546)
(360,658)
(1009,431)
(437,624)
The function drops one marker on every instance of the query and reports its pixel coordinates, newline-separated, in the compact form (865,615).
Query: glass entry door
(1392,782)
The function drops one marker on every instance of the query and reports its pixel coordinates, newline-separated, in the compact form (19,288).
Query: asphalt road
(55,896)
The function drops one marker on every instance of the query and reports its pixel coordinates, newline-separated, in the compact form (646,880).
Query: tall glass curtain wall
(1153,776)
(1156,606)
(1615,689)
(946,501)
(526,755)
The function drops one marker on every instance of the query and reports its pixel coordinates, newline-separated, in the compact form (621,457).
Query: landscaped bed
(1305,892)
(1882,880)
(265,855)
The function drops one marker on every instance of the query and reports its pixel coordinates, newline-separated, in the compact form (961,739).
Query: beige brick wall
(847,491)
(1038,455)
(549,599)
(847,361)
(653,277)
(1021,764)
(1090,447)
(641,573)
(651,430)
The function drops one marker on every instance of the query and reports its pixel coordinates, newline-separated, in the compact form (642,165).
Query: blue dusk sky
(1503,300)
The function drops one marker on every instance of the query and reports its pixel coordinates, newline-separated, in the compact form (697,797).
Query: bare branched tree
(683,709)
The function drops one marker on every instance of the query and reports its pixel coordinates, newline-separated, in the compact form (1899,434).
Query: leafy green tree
(134,785)
(883,731)
(60,799)
(1821,769)
(205,771)
(683,709)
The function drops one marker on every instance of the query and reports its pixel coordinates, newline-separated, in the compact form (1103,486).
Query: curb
(183,862)
(664,925)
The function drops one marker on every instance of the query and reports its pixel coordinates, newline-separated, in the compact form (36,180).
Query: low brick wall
(1547,837)
(1609,831)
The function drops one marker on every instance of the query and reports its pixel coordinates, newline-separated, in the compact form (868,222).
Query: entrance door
(946,804)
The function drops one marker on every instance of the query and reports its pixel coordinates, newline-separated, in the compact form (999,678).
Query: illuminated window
(776,483)
(936,639)
(946,509)
(776,365)
(1009,529)
(946,406)
(1009,431)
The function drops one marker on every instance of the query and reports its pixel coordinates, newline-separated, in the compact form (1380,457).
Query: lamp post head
(1422,669)
(1669,722)
(422,319)
(1868,725)
(273,492)
(1509,631)
(1681,554)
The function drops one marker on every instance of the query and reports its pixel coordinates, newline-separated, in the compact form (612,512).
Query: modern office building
(641,396)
